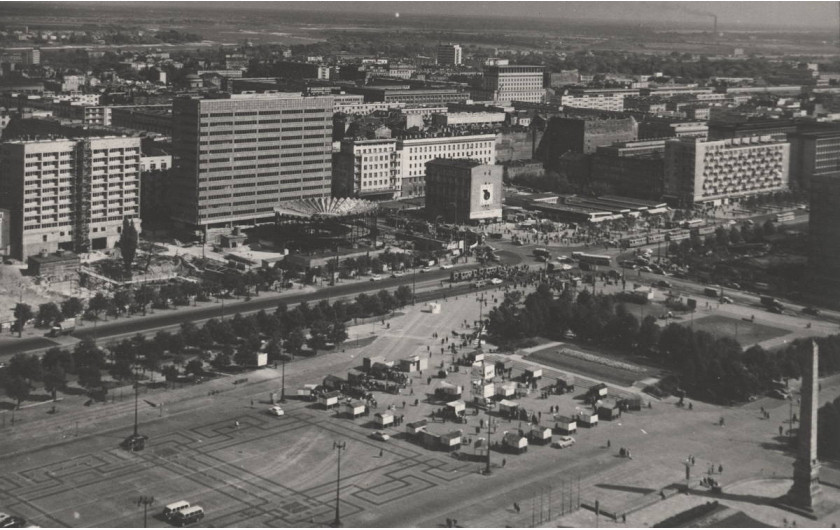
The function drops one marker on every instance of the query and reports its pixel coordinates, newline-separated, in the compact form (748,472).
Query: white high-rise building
(717,171)
(69,194)
(449,54)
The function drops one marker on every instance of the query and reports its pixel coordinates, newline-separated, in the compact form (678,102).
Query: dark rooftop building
(60,266)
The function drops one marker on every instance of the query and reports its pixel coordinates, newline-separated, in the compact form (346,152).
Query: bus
(592,259)
(635,241)
(784,216)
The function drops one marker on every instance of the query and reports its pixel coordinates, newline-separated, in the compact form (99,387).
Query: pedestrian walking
(236,424)
(252,403)
(381,453)
(781,430)
(609,444)
(504,462)
(720,468)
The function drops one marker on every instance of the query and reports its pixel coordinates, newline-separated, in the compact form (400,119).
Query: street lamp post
(145,502)
(487,467)
(282,378)
(338,446)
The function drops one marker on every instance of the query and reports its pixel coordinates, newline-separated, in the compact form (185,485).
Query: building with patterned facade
(236,157)
(716,172)
(69,194)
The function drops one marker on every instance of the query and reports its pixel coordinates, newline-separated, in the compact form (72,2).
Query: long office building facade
(237,157)
(715,172)
(506,83)
(396,168)
(69,194)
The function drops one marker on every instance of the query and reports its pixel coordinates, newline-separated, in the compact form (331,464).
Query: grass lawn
(745,332)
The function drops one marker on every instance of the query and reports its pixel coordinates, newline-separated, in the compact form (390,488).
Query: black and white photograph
(419,264)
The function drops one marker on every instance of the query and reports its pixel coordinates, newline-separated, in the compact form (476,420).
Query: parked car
(276,411)
(811,311)
(563,442)
(778,393)
(496,281)
(380,436)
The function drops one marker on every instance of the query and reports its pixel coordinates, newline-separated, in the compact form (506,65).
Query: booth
(565,425)
(515,443)
(608,410)
(416,427)
(330,399)
(307,392)
(532,374)
(383,419)
(505,390)
(541,435)
(506,406)
(448,390)
(485,371)
(456,408)
(333,382)
(484,390)
(451,441)
(414,363)
(355,409)
(587,418)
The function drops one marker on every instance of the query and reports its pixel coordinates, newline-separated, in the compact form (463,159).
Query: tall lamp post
(487,467)
(282,377)
(145,502)
(338,446)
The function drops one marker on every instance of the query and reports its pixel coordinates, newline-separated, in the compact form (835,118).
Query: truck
(711,291)
(770,302)
(65,327)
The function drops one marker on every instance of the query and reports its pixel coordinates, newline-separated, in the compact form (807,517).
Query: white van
(190,515)
(171,509)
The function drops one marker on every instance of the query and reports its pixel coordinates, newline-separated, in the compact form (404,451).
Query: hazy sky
(771,14)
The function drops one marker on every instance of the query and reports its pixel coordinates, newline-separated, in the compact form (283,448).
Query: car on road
(426,269)
(807,310)
(778,393)
(445,267)
(397,274)
(776,309)
(276,411)
(380,436)
(11,521)
(664,283)
(563,442)
(645,268)
(375,278)
(628,264)
(496,281)
(135,442)
(726,300)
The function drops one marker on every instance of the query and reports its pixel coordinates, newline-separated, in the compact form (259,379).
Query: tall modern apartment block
(506,83)
(69,194)
(449,54)
(237,157)
(715,172)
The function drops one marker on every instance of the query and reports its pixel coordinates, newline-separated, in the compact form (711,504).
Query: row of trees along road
(283,333)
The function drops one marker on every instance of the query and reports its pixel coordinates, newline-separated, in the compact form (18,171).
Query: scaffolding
(81,214)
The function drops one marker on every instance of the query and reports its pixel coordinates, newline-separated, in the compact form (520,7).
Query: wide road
(168,318)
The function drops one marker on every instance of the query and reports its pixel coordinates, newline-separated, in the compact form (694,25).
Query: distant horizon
(730,15)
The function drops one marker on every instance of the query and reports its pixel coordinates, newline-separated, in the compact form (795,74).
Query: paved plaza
(281,471)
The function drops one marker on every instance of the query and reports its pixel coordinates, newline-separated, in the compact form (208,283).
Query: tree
(26,366)
(56,357)
(769,228)
(17,388)
(98,304)
(403,295)
(338,332)
(87,354)
(220,361)
(143,296)
(23,313)
(122,300)
(195,367)
(55,380)
(294,343)
(122,371)
(90,377)
(128,243)
(48,314)
(648,334)
(170,372)
(71,307)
